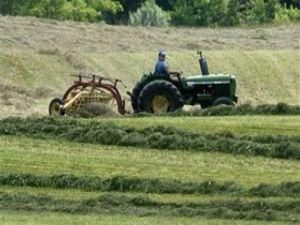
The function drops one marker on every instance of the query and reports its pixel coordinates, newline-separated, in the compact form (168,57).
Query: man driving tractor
(162,67)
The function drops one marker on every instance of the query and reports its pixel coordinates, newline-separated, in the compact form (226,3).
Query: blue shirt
(161,68)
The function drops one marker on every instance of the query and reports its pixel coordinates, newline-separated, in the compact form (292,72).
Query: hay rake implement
(89,89)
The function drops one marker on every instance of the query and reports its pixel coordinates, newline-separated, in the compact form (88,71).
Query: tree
(122,16)
(238,11)
(79,10)
(9,7)
(129,6)
(291,3)
(261,11)
(167,5)
(199,12)
(251,11)
(149,14)
(112,6)
(182,12)
(44,8)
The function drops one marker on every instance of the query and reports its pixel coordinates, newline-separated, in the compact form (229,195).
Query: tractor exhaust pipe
(203,64)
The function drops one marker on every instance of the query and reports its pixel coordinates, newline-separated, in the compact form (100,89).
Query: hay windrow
(240,110)
(119,204)
(156,137)
(147,185)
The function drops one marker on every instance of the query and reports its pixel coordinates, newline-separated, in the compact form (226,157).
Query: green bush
(48,9)
(262,11)
(149,15)
(285,14)
(251,11)
(229,13)
(78,10)
(290,3)
(199,12)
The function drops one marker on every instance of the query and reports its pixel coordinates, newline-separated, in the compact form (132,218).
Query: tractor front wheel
(55,107)
(223,101)
(160,96)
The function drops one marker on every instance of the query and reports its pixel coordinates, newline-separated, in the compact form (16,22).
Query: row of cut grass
(158,137)
(119,204)
(76,194)
(48,157)
(239,125)
(147,185)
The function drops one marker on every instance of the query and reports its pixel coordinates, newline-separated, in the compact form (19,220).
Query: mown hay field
(57,218)
(237,169)
(46,176)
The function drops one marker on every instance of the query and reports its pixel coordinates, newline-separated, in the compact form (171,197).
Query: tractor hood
(190,81)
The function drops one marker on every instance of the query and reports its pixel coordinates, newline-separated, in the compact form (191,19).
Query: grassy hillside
(37,56)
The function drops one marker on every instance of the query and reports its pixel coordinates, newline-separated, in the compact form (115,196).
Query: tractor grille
(221,90)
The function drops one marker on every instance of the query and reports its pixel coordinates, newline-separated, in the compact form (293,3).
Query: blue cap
(162,53)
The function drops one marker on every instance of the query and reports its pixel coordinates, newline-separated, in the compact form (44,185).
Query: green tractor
(159,94)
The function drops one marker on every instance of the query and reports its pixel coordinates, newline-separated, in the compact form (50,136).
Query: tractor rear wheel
(135,95)
(223,101)
(55,107)
(160,96)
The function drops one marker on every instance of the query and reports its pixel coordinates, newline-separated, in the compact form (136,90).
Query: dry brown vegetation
(47,36)
(37,55)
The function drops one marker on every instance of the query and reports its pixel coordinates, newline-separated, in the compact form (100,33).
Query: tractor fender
(156,87)
(144,82)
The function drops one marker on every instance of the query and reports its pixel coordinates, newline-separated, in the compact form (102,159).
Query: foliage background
(159,12)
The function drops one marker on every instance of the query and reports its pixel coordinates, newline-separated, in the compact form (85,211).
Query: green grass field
(20,155)
(225,170)
(58,218)
(26,157)
(285,125)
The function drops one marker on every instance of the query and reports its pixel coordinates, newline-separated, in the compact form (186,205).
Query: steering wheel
(177,75)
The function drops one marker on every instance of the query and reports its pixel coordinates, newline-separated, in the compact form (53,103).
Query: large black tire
(204,66)
(223,101)
(55,107)
(135,95)
(205,105)
(160,88)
